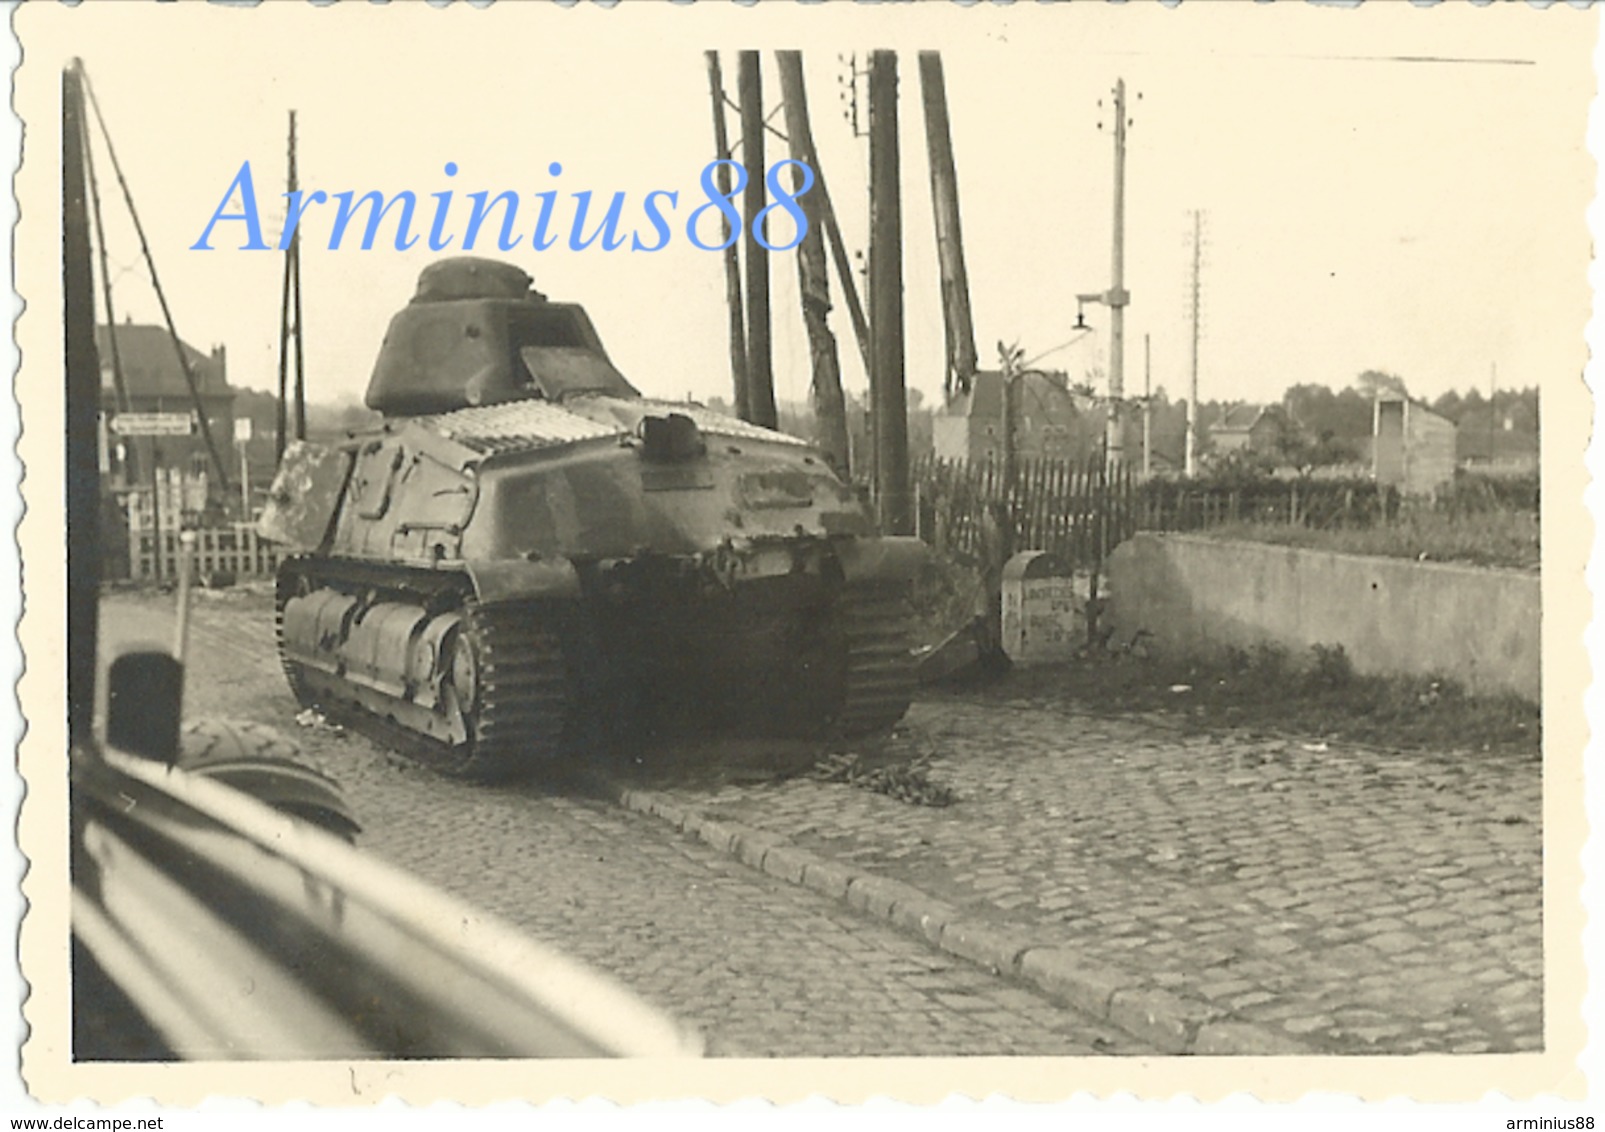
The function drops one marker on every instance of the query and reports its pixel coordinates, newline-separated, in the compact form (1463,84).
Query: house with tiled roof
(1251,428)
(153,381)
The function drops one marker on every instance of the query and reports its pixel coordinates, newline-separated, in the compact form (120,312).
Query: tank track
(520,716)
(528,708)
(880,667)
(285,584)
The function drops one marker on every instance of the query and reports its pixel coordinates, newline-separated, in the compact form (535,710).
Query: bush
(1476,494)
(1508,538)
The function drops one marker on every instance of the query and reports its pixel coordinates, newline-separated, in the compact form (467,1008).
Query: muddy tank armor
(528,556)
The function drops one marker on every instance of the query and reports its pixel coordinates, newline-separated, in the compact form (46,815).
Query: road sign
(153,424)
(242,429)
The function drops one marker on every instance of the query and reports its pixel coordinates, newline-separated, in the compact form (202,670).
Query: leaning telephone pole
(732,257)
(813,273)
(760,371)
(960,326)
(185,367)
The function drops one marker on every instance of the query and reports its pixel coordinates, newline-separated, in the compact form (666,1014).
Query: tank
(528,558)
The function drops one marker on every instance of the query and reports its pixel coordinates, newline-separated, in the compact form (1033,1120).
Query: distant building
(1050,420)
(1251,428)
(1163,463)
(154,383)
(1412,448)
(1501,450)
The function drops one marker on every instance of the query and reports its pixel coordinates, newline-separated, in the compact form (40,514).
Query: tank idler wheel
(459,692)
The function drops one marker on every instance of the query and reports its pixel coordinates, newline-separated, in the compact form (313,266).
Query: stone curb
(1169,1022)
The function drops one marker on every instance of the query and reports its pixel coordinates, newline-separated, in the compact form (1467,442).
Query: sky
(1383,188)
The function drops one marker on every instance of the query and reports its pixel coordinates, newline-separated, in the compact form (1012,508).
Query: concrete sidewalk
(1211,894)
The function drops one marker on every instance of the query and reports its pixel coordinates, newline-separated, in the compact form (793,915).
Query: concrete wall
(1392,616)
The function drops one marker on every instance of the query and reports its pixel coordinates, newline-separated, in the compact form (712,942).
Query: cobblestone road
(1358,901)
(763,968)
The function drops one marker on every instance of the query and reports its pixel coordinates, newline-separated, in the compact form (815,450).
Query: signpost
(153,424)
(242,437)
(156,509)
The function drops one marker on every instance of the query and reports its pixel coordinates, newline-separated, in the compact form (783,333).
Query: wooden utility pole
(894,496)
(956,318)
(281,420)
(82,413)
(760,370)
(300,337)
(732,257)
(292,400)
(813,274)
(1118,298)
(1191,465)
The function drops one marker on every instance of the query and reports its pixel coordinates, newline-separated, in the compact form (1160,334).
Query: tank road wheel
(880,665)
(493,701)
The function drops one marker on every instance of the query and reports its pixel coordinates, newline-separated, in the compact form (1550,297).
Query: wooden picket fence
(1077,510)
(234,551)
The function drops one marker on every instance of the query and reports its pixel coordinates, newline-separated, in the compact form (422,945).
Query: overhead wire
(161,296)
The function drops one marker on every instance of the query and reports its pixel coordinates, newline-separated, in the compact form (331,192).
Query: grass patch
(1503,537)
(1266,688)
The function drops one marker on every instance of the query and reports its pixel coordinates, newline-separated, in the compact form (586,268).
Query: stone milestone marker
(1040,609)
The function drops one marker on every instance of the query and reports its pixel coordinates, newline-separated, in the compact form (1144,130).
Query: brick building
(154,383)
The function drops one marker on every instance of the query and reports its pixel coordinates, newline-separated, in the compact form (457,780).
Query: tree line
(1331,426)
